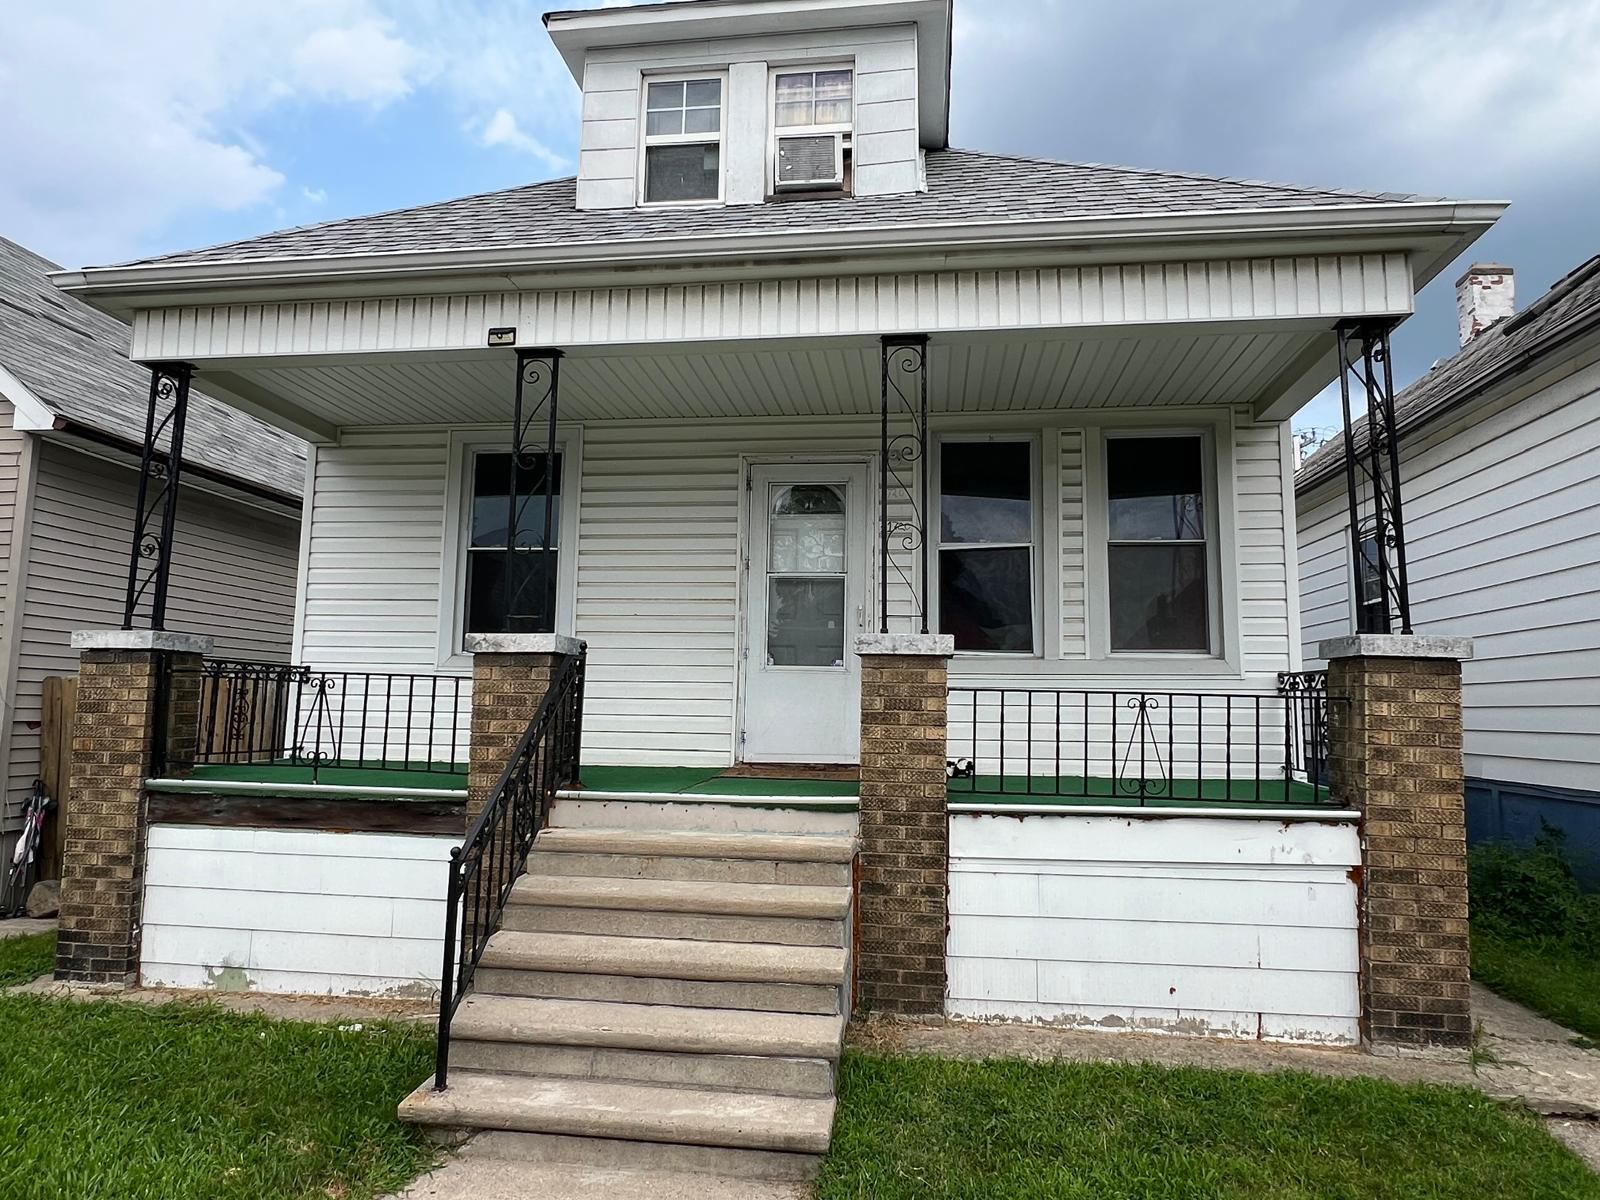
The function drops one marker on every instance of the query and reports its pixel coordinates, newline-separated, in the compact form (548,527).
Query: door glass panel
(805,621)
(805,576)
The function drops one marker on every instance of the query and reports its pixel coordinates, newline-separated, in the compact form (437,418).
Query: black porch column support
(1372,469)
(156,509)
(537,403)
(904,469)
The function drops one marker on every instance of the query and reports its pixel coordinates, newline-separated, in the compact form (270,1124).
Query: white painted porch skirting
(280,910)
(1234,928)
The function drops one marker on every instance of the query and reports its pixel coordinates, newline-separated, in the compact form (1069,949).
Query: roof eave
(122,288)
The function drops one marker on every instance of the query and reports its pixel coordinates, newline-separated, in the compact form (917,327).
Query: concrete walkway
(481,1170)
(23,926)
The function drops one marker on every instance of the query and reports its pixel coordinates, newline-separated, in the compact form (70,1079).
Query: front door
(807,588)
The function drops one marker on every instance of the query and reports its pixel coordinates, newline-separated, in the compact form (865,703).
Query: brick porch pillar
(510,674)
(905,830)
(113,751)
(1394,732)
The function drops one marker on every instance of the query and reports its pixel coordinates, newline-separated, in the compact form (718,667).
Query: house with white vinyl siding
(649,510)
(71,426)
(1499,450)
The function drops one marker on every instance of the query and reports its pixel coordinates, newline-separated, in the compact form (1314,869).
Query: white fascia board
(122,288)
(30,414)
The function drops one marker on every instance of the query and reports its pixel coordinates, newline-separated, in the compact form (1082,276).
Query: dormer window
(682,140)
(813,118)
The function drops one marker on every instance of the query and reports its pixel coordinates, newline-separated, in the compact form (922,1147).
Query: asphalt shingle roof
(1574,300)
(75,360)
(963,186)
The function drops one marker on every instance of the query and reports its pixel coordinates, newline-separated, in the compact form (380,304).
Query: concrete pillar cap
(920,645)
(141,639)
(1395,645)
(520,643)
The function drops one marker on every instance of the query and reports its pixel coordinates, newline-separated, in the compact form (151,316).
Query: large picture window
(682,140)
(986,545)
(1160,590)
(527,602)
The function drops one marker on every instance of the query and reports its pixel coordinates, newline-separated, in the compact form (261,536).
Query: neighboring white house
(726,311)
(72,416)
(1500,463)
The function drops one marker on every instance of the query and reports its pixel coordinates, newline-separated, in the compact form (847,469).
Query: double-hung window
(516,592)
(1158,559)
(987,540)
(813,117)
(682,140)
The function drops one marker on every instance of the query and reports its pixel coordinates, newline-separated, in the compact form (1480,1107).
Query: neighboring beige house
(72,414)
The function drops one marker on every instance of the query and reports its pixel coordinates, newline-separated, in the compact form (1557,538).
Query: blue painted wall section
(1515,812)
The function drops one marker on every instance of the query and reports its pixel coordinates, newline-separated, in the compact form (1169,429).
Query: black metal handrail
(295,715)
(1306,693)
(484,867)
(1138,747)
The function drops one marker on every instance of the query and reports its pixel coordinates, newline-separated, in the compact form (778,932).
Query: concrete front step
(626,1112)
(546,860)
(550,1148)
(667,958)
(722,814)
(477,1176)
(683,896)
(616,922)
(654,1027)
(733,975)
(714,1072)
(800,848)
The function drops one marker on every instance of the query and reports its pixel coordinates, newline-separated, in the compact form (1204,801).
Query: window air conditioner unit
(810,160)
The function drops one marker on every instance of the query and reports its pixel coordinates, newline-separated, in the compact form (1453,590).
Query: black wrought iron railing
(484,868)
(256,713)
(1306,694)
(1137,747)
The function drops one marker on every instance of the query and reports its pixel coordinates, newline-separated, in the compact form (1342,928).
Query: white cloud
(364,62)
(314,195)
(502,129)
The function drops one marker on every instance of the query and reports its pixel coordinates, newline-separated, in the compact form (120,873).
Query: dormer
(733,102)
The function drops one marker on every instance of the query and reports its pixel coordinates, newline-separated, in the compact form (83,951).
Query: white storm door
(807,589)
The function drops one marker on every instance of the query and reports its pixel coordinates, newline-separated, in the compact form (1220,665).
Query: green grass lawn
(935,1129)
(132,1102)
(24,959)
(1550,977)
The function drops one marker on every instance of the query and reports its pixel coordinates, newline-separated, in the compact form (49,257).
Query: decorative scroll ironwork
(1372,474)
(156,508)
(537,403)
(1305,742)
(904,475)
(1141,770)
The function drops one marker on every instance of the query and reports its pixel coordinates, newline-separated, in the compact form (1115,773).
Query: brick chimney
(1484,295)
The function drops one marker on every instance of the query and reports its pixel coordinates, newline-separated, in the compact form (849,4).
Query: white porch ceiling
(1175,365)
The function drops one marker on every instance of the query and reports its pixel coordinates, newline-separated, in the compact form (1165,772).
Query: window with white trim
(682,140)
(1369,588)
(988,543)
(813,120)
(1158,555)
(526,601)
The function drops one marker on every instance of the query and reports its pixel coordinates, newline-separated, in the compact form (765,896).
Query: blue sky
(135,129)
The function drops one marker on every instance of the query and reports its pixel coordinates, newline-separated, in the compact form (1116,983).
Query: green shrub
(1530,893)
